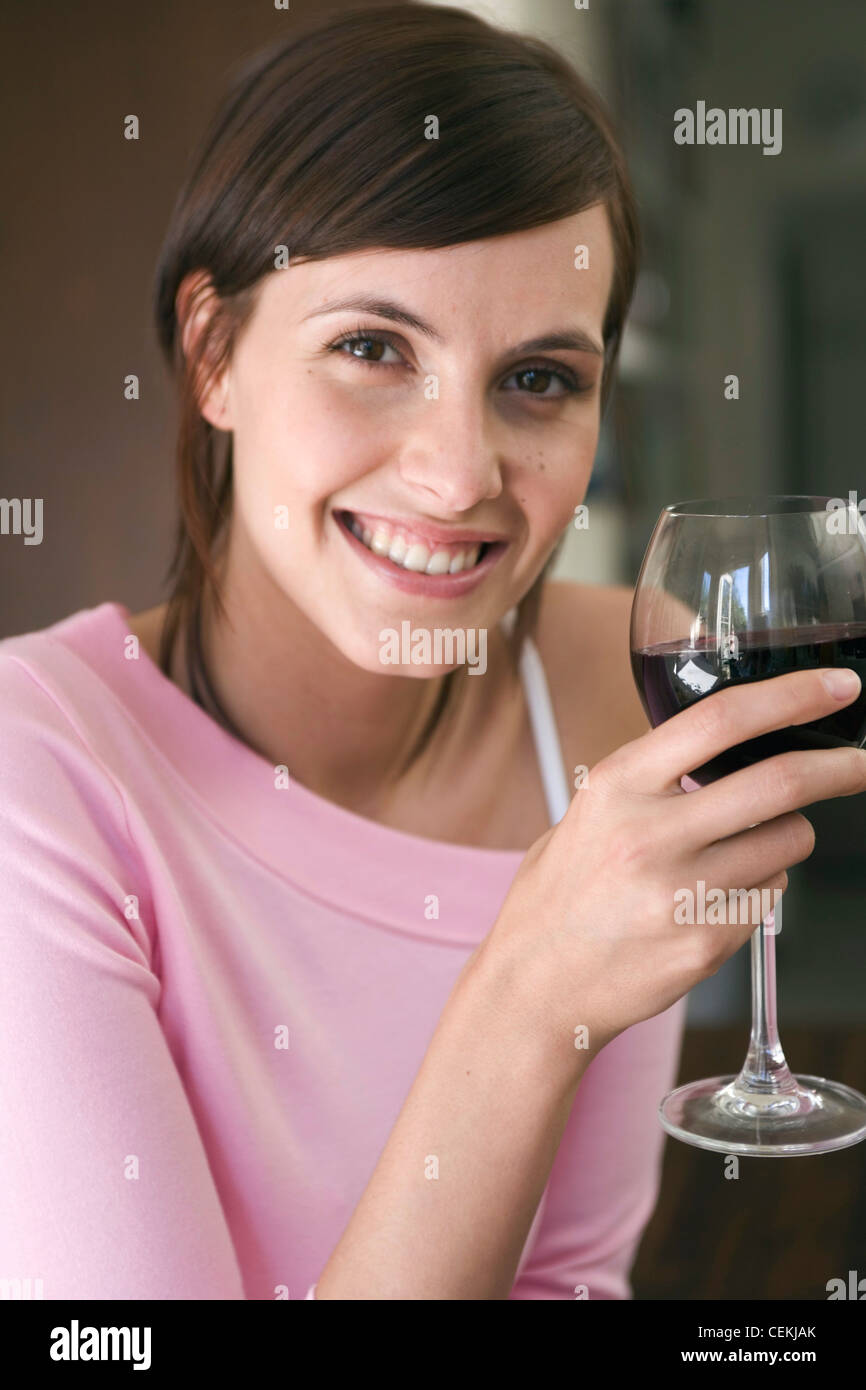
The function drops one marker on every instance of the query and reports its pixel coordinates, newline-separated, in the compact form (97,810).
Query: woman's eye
(536,381)
(365,348)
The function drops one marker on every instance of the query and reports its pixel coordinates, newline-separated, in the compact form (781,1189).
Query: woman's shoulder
(63,826)
(57,710)
(46,699)
(583,641)
(56,660)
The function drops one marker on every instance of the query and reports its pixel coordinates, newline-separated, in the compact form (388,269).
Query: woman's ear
(196,305)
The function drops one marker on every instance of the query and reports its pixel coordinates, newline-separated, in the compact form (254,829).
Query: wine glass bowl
(735,590)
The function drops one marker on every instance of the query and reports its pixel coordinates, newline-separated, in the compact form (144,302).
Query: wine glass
(733,590)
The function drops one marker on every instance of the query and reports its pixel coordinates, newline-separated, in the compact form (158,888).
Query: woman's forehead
(533,272)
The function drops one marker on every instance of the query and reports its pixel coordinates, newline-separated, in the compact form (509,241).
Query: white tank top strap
(543,721)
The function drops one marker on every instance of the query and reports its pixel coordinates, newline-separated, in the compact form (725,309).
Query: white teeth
(438,563)
(416,558)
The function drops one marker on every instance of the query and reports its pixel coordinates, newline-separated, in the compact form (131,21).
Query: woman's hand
(587,935)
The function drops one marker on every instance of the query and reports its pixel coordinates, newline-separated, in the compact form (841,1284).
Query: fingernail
(841,682)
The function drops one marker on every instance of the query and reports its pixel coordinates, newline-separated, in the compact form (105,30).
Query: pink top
(215,992)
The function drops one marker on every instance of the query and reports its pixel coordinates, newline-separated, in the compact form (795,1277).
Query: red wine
(674,675)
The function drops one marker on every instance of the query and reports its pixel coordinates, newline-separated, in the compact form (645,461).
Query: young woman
(317,981)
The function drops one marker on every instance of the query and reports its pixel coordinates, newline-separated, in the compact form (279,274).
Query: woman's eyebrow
(575,339)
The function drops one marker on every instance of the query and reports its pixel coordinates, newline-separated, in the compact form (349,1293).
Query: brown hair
(319,146)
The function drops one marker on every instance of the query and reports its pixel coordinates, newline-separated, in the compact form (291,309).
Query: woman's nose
(452,455)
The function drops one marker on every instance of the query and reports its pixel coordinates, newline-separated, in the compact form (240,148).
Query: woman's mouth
(415,560)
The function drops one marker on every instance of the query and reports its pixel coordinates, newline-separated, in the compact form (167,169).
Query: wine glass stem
(765,1069)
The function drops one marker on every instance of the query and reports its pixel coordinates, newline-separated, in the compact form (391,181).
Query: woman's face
(424,471)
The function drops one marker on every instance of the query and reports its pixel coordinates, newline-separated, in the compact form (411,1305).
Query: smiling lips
(417,551)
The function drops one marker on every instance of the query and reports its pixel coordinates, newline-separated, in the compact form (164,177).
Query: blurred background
(753,265)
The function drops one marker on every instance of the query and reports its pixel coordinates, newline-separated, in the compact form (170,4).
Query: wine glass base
(818,1117)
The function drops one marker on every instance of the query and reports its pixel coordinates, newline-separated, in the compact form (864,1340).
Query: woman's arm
(105,1187)
(450,1203)
(605,1179)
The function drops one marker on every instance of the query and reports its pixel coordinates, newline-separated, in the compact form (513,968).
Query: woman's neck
(349,735)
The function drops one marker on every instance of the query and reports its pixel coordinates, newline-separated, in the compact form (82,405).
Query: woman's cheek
(337,422)
(550,509)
